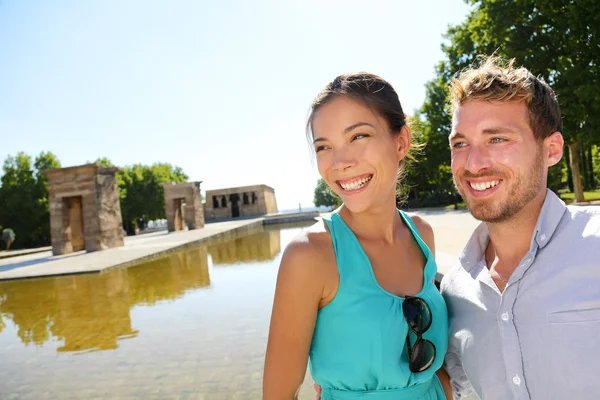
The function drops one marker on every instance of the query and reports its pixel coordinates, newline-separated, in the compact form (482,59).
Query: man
(524,301)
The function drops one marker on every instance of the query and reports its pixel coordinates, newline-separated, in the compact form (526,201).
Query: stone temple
(85,212)
(239,202)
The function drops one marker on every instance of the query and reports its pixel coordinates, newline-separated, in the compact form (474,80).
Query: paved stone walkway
(137,248)
(452,230)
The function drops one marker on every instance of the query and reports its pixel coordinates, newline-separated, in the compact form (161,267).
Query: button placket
(510,341)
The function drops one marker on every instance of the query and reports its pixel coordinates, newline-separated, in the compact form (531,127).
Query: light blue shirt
(540,338)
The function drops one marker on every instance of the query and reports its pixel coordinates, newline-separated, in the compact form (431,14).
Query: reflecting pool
(189,325)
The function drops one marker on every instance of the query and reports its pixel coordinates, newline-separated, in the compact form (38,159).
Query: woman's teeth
(481,186)
(355,185)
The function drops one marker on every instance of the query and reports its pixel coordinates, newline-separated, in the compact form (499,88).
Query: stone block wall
(261,201)
(193,212)
(110,226)
(101,209)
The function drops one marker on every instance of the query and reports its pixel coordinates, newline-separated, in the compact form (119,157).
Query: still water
(190,325)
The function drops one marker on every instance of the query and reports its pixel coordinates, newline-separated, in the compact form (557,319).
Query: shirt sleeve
(461,387)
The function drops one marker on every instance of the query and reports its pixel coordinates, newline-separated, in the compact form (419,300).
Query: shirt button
(543,238)
(516,380)
(505,317)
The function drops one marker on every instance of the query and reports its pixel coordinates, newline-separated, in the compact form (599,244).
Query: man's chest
(541,336)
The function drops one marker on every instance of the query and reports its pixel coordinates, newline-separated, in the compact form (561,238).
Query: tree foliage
(141,191)
(24,195)
(558,40)
(324,196)
(24,198)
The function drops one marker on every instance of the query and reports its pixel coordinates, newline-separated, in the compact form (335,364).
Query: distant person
(355,294)
(524,301)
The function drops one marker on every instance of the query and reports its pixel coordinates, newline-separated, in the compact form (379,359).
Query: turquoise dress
(358,347)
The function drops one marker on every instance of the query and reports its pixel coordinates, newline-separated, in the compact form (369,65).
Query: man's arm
(461,387)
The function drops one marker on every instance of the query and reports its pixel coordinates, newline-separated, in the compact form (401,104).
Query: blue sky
(221,89)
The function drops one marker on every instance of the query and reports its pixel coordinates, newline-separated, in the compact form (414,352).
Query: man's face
(497,165)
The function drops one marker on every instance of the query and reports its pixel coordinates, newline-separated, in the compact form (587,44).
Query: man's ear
(553,146)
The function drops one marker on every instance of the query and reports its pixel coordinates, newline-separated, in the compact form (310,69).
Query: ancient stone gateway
(183,206)
(85,212)
(245,201)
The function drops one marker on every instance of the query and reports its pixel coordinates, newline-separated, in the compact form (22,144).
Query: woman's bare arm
(297,295)
(445,380)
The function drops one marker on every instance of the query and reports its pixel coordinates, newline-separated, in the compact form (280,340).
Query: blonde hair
(496,79)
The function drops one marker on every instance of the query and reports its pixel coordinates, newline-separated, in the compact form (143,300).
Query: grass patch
(588,196)
(460,205)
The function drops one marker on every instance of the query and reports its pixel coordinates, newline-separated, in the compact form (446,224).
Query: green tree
(324,196)
(556,40)
(429,178)
(103,162)
(43,162)
(24,198)
(142,193)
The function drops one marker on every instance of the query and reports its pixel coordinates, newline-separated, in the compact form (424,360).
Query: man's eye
(497,140)
(458,145)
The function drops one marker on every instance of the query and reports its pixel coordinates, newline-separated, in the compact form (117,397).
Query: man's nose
(478,159)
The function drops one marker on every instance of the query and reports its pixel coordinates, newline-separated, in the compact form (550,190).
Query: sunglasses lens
(417,314)
(422,356)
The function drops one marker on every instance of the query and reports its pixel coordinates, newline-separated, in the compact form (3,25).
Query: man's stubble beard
(523,191)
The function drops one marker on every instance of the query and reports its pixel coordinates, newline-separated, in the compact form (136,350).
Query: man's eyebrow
(358,124)
(495,131)
(456,135)
(487,131)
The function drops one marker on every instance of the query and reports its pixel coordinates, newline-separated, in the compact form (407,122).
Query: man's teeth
(481,186)
(354,185)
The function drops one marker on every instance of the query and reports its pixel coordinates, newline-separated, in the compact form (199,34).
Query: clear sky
(219,88)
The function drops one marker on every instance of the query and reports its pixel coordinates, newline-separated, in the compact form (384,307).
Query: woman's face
(356,153)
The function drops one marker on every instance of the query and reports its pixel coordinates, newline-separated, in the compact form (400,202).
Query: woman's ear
(403,142)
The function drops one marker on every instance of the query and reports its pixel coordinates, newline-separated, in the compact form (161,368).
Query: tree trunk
(8,243)
(583,166)
(577,186)
(569,172)
(590,168)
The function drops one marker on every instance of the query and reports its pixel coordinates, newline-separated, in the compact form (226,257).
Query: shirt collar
(552,212)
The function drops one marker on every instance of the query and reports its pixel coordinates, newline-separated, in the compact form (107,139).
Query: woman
(356,291)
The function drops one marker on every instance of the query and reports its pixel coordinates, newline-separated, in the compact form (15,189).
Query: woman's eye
(359,136)
(320,148)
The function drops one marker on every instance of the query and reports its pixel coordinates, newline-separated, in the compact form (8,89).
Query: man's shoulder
(453,279)
(585,219)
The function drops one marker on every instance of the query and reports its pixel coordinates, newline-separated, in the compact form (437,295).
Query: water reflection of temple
(92,312)
(260,246)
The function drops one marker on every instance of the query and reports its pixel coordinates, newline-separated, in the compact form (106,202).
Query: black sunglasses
(418,315)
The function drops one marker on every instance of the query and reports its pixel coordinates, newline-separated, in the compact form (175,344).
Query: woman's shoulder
(424,228)
(310,249)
